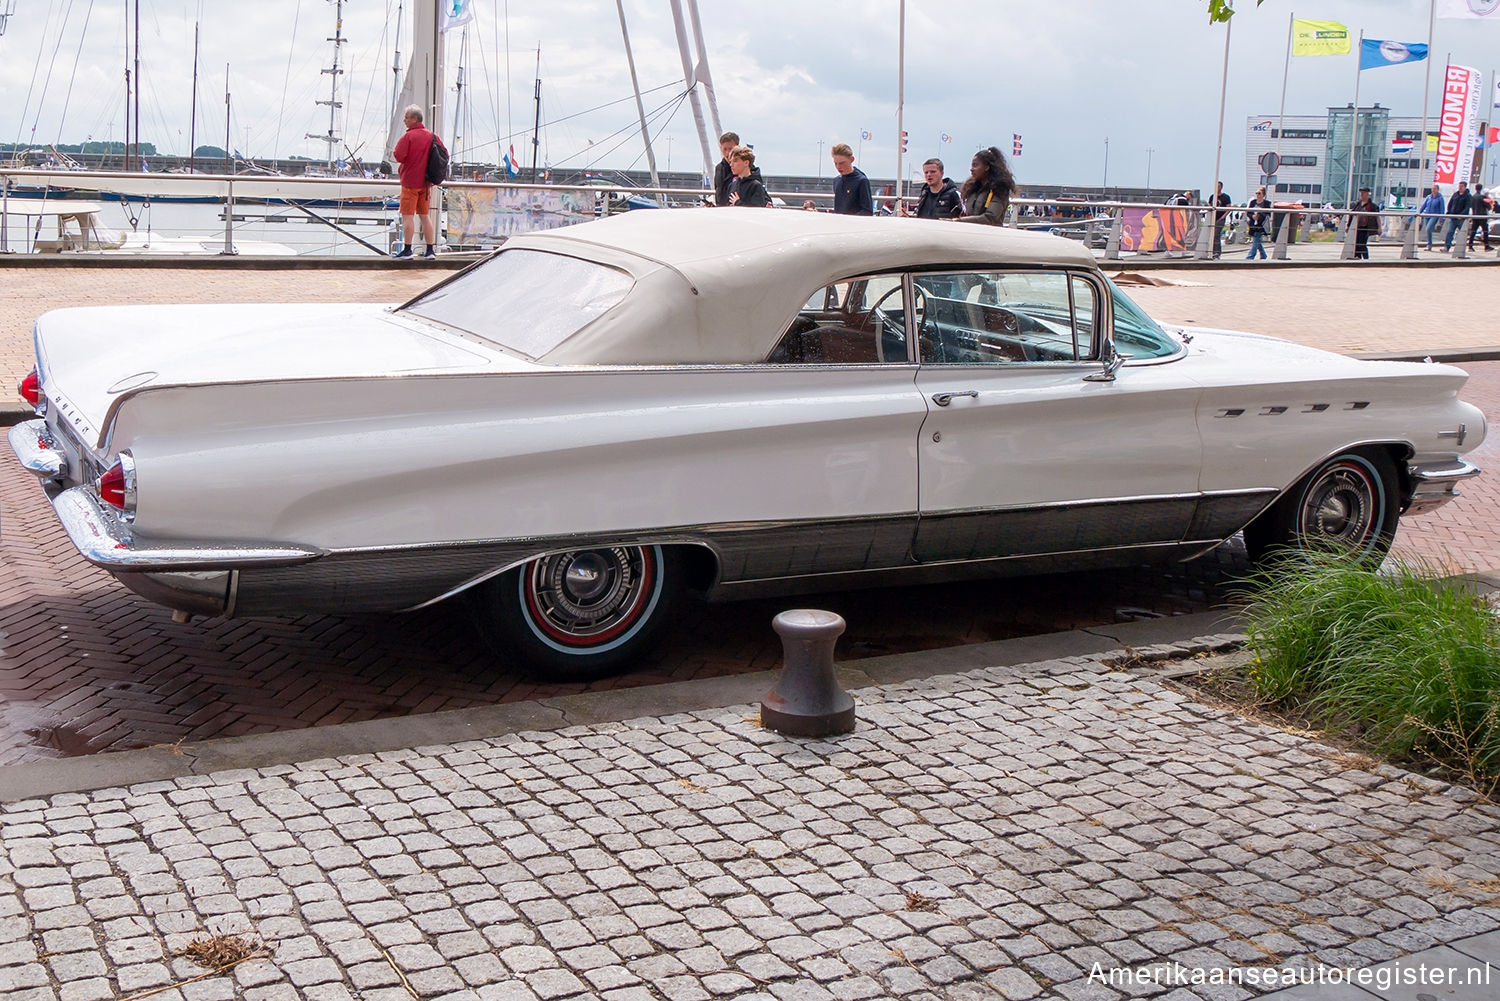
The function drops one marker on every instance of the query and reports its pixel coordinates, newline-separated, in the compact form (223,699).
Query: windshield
(528,301)
(1136,334)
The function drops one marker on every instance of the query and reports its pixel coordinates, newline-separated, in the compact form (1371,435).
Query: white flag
(456,14)
(1469,8)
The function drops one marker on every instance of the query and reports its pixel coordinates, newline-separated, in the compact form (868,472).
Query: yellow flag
(1319,38)
(1432,142)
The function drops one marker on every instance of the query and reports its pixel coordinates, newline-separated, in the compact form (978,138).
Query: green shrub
(1410,661)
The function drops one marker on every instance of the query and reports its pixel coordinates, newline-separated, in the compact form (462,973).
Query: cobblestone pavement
(1004,833)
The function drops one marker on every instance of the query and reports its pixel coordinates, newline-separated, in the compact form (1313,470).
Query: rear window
(527,301)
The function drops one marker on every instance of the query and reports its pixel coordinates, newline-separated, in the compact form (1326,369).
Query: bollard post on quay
(1112,245)
(1351,231)
(1409,240)
(1460,248)
(807,700)
(1283,233)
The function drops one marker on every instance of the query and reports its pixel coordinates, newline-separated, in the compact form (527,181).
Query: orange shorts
(414,201)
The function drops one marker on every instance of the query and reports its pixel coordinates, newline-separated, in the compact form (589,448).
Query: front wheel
(581,614)
(1348,504)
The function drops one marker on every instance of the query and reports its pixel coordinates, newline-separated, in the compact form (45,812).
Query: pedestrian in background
(1479,208)
(1256,223)
(987,192)
(940,198)
(723,174)
(1366,221)
(1431,212)
(1221,203)
(411,153)
(851,192)
(746,188)
(1458,205)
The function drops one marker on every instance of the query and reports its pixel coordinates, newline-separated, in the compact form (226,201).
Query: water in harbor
(167,226)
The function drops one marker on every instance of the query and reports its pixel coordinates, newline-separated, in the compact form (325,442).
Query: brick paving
(1004,833)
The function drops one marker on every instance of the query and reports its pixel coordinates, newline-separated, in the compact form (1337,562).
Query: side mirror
(1112,360)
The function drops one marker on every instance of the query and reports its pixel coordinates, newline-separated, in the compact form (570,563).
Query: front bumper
(1434,484)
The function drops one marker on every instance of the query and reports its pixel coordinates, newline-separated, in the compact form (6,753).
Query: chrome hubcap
(1341,507)
(588,596)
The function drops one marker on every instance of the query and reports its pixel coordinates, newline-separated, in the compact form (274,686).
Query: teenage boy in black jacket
(940,197)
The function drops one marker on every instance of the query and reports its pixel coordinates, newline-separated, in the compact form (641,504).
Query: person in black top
(1258,223)
(1479,208)
(745,188)
(940,197)
(722,174)
(1458,204)
(1367,223)
(851,192)
(1220,202)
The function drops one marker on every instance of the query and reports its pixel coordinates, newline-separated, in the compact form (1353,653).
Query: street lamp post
(820,159)
(1106,161)
(1149,151)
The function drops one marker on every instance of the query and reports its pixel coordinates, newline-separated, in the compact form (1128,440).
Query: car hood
(1233,357)
(90,357)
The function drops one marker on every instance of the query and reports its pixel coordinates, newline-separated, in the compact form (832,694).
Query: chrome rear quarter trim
(105,541)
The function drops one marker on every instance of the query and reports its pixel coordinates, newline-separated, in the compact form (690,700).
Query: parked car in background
(596,420)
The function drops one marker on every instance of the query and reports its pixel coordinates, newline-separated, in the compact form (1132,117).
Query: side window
(1003,317)
(861,321)
(1136,334)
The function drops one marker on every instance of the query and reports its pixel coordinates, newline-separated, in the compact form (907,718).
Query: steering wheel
(919,309)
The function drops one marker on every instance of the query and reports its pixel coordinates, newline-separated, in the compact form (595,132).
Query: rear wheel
(579,614)
(1350,503)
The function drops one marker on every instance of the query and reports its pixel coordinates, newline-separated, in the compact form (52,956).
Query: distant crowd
(984,197)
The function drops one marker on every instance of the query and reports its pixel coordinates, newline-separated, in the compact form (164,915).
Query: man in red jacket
(411,153)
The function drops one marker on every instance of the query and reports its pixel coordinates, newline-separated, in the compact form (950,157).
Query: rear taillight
(117,485)
(31,388)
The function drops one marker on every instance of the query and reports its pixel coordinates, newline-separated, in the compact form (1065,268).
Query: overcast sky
(1065,74)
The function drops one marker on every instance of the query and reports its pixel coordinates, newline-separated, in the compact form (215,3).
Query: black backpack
(437,161)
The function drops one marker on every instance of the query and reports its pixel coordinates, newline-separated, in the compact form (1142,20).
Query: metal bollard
(1409,238)
(1283,234)
(1205,247)
(1460,246)
(807,700)
(1351,229)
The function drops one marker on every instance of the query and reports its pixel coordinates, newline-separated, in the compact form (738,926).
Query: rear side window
(528,301)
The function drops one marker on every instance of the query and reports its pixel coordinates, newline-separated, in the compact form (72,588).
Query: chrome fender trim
(1434,484)
(38,451)
(105,541)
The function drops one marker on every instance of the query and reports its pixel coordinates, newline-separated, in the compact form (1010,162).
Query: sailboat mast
(396,64)
(137,83)
(333,102)
(536,126)
(193,114)
(125,158)
(640,109)
(458,100)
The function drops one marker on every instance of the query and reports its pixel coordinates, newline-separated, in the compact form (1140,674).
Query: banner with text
(1458,126)
(1319,38)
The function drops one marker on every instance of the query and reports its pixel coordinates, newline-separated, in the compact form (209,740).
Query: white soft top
(720,285)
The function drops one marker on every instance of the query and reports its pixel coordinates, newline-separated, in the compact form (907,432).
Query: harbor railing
(250,214)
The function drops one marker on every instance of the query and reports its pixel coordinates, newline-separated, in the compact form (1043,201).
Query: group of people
(983,198)
(1463,202)
(1366,218)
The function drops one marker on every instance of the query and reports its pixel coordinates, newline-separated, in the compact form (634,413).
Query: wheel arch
(1399,453)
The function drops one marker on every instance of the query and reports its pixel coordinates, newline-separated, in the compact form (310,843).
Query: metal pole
(1223,93)
(701,72)
(901,100)
(536,126)
(1106,162)
(125,159)
(193,114)
(1149,151)
(1354,125)
(640,109)
(1285,67)
(690,78)
(137,83)
(228,169)
(1426,89)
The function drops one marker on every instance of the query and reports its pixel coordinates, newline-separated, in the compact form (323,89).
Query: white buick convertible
(593,420)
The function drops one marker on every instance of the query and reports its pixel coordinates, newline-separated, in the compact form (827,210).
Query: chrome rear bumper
(38,450)
(1434,484)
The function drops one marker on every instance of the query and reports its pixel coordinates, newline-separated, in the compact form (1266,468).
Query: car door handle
(943,399)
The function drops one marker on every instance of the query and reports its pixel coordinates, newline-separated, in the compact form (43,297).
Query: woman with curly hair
(987,192)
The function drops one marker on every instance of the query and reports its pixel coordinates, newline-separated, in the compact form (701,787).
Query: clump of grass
(1408,660)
